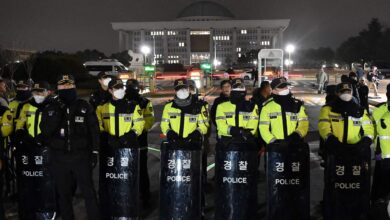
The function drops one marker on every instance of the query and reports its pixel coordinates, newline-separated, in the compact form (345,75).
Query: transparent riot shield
(180,182)
(288,181)
(236,180)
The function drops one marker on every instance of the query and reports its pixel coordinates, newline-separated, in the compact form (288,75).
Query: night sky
(71,25)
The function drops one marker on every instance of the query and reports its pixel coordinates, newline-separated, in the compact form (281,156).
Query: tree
(90,55)
(122,57)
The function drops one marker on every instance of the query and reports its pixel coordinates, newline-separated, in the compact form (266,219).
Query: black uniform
(72,133)
(99,97)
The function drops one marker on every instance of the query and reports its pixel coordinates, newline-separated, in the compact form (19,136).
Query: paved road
(302,89)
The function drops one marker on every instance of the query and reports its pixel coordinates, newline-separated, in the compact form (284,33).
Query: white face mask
(284,92)
(182,93)
(119,93)
(106,81)
(346,97)
(39,98)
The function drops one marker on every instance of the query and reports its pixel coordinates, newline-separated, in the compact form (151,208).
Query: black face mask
(23,95)
(237,96)
(131,92)
(67,95)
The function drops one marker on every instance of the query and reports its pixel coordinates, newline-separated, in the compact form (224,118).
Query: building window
(265,43)
(181,44)
(244,32)
(200,32)
(157,33)
(221,37)
(239,55)
(172,33)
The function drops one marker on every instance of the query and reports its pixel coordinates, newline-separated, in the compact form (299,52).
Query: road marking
(154,125)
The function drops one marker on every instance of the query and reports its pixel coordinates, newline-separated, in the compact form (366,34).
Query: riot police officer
(27,137)
(101,95)
(283,118)
(132,94)
(183,118)
(71,130)
(23,95)
(226,88)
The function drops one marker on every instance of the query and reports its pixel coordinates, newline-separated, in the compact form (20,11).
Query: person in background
(3,93)
(260,95)
(255,76)
(353,80)
(371,78)
(101,95)
(363,93)
(226,88)
(322,79)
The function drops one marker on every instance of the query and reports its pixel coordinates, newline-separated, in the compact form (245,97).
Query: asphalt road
(302,88)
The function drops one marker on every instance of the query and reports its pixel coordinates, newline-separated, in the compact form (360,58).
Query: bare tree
(29,65)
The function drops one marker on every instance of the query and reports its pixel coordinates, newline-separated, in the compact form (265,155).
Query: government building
(203,31)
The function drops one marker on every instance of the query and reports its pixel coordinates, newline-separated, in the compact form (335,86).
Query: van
(110,66)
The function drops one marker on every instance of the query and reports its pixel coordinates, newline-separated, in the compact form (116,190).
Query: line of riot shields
(346,188)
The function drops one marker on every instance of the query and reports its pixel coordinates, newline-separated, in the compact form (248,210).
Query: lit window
(243,31)
(238,49)
(239,54)
(181,44)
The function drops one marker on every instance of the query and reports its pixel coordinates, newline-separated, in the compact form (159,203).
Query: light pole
(290,49)
(145,50)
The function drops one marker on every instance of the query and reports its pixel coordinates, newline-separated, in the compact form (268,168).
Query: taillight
(195,73)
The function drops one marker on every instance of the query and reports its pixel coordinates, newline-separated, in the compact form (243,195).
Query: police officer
(28,131)
(237,117)
(70,128)
(381,181)
(183,119)
(6,128)
(283,118)
(226,88)
(23,95)
(101,95)
(146,106)
(337,121)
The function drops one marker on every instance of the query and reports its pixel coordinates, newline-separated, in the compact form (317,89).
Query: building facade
(203,31)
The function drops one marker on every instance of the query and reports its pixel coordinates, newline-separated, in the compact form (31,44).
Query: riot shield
(347,182)
(288,181)
(236,180)
(180,182)
(37,197)
(119,182)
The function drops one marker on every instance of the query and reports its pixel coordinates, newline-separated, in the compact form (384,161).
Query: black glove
(235,131)
(195,136)
(172,136)
(280,145)
(332,142)
(129,137)
(294,138)
(246,134)
(19,135)
(94,158)
(366,141)
(39,140)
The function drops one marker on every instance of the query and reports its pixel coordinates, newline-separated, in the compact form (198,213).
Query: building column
(142,40)
(212,42)
(127,39)
(165,46)
(234,52)
(131,40)
(120,45)
(258,30)
(188,45)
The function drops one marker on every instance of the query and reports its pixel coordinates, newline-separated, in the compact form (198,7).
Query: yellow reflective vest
(6,122)
(272,125)
(183,123)
(148,114)
(225,118)
(332,123)
(381,119)
(29,119)
(120,118)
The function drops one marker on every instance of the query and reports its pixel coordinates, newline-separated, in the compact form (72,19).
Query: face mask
(346,97)
(237,96)
(106,81)
(182,93)
(284,92)
(131,91)
(67,95)
(22,95)
(39,98)
(119,93)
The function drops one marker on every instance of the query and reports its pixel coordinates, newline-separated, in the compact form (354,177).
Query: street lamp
(290,49)
(145,50)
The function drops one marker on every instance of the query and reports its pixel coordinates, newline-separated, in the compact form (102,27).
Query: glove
(235,131)
(172,136)
(39,140)
(195,136)
(332,141)
(294,138)
(246,134)
(94,159)
(281,145)
(127,138)
(366,141)
(19,135)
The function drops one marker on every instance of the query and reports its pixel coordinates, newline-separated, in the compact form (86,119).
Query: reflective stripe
(173,114)
(265,122)
(245,113)
(335,117)
(229,113)
(274,114)
(108,114)
(386,156)
(384,137)
(201,121)
(138,119)
(254,117)
(5,124)
(125,115)
(303,119)
(220,118)
(366,123)
(324,120)
(292,114)
(164,120)
(370,136)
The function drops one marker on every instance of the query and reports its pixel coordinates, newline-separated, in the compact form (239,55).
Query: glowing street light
(290,49)
(145,50)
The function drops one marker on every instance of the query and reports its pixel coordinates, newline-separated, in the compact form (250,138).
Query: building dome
(205,10)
